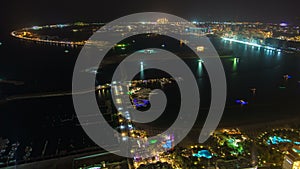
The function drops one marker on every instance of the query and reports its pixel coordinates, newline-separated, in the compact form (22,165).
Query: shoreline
(251,130)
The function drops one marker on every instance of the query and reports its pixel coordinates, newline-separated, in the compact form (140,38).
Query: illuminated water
(49,68)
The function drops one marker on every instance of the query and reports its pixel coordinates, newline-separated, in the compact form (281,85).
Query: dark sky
(18,13)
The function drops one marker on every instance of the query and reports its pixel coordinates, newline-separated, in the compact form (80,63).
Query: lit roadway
(18,35)
(52,94)
(179,28)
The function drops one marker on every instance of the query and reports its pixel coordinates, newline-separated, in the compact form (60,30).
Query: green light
(240,149)
(142,70)
(200,67)
(234,66)
(232,143)
(121,45)
(79,24)
(153,141)
(235,145)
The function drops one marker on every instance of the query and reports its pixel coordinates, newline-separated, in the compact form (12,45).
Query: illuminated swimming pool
(277,140)
(203,153)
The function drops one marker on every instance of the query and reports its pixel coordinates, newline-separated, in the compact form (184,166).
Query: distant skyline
(16,14)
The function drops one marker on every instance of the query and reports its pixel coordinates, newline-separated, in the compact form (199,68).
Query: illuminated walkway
(251,44)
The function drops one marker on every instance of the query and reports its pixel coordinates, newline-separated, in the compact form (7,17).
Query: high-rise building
(292,159)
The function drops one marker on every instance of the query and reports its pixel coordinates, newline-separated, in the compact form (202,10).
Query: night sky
(17,13)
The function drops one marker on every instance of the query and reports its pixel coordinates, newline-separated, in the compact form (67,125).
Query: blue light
(276,140)
(127,116)
(140,103)
(284,24)
(203,153)
(62,25)
(168,144)
(270,48)
(36,27)
(242,102)
(296,150)
(297,142)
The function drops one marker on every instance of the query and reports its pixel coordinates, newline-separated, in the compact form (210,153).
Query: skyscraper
(292,159)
